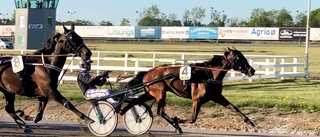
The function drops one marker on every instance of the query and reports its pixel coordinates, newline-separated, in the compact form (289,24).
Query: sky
(114,11)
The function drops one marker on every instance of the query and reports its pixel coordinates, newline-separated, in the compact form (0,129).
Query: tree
(153,12)
(171,20)
(315,18)
(260,18)
(186,18)
(217,20)
(301,19)
(197,14)
(105,23)
(148,21)
(83,22)
(151,17)
(236,22)
(125,22)
(7,21)
(284,19)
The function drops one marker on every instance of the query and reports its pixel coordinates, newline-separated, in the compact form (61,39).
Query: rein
(49,65)
(173,67)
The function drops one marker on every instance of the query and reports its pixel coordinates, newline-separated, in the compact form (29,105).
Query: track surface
(50,128)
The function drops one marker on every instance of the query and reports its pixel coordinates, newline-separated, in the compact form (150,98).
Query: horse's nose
(252,71)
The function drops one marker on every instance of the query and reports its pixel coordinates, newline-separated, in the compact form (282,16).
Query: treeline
(152,16)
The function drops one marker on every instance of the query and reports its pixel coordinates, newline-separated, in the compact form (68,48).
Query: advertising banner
(7,30)
(233,33)
(80,30)
(314,33)
(148,32)
(93,31)
(203,33)
(263,33)
(292,33)
(175,32)
(121,31)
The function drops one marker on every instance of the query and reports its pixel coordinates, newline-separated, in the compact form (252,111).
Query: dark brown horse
(39,78)
(204,85)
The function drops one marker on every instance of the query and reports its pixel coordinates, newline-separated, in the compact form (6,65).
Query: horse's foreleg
(60,99)
(10,98)
(42,105)
(195,111)
(224,102)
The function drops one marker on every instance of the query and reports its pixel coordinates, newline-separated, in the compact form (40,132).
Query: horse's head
(238,62)
(74,43)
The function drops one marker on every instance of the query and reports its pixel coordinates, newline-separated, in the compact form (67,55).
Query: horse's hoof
(37,118)
(27,130)
(88,120)
(178,130)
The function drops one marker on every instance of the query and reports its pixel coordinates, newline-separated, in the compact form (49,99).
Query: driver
(87,83)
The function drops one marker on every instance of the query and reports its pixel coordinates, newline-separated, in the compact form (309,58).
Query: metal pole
(306,64)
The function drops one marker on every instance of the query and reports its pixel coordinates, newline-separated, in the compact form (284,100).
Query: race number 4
(185,73)
(17,64)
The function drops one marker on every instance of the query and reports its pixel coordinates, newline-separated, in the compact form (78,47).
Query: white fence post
(98,62)
(154,60)
(136,65)
(283,60)
(183,58)
(126,61)
(267,69)
(295,61)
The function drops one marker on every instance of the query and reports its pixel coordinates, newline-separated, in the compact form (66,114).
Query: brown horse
(39,78)
(204,85)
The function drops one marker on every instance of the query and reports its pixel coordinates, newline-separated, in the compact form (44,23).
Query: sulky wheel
(109,120)
(138,120)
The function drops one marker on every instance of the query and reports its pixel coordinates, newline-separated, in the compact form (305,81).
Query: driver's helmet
(84,63)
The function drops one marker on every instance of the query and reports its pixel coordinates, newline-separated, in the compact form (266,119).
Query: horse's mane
(213,61)
(49,45)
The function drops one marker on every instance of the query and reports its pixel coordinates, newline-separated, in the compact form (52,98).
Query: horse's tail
(138,79)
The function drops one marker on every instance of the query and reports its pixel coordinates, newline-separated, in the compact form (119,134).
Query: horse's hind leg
(42,105)
(161,98)
(224,102)
(10,98)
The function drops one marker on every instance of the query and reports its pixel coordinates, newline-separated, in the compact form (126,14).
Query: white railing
(266,66)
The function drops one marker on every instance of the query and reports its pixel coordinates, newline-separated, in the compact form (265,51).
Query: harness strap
(42,58)
(67,68)
(46,65)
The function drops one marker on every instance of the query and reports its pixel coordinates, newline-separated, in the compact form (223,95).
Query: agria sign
(264,33)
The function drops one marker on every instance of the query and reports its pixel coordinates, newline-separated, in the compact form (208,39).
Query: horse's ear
(233,48)
(72,27)
(65,29)
(229,49)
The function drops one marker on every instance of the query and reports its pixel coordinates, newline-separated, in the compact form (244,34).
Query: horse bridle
(71,44)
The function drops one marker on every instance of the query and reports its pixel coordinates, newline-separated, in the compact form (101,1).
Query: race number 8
(17,64)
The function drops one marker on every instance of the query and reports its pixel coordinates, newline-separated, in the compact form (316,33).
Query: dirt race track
(50,128)
(58,121)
